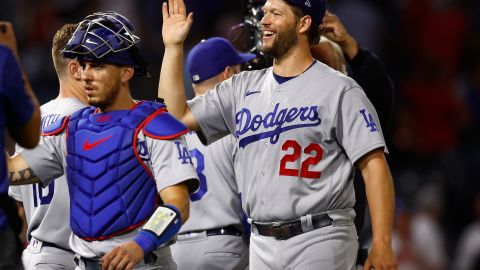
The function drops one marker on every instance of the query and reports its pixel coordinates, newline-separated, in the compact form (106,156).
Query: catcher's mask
(106,37)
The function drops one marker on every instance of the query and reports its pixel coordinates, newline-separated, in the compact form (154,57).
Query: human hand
(7,36)
(176,23)
(334,30)
(381,257)
(124,256)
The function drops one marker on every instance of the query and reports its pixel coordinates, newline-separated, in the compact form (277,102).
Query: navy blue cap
(212,56)
(314,8)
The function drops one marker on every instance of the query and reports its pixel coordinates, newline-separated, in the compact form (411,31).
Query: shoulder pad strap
(163,126)
(56,127)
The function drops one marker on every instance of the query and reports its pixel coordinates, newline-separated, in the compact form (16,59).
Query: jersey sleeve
(15,192)
(47,159)
(215,110)
(171,163)
(358,128)
(15,98)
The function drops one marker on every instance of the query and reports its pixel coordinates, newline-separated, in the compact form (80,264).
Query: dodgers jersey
(46,208)
(162,157)
(297,141)
(216,204)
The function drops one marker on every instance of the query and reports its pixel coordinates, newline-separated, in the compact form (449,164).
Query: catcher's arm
(161,227)
(19,172)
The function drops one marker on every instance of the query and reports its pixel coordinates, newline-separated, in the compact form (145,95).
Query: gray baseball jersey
(162,157)
(215,205)
(46,208)
(297,141)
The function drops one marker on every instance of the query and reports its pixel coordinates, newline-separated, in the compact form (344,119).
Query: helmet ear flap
(141,67)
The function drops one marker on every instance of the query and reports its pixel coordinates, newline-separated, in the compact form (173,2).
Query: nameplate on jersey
(276,122)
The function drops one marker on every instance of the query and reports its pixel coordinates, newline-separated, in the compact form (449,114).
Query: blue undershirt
(281,79)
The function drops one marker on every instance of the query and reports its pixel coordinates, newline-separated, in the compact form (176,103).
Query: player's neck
(201,89)
(72,89)
(293,63)
(123,101)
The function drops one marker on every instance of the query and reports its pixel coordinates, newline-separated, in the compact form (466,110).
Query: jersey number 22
(314,150)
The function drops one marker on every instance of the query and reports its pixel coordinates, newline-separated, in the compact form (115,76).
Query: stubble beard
(105,101)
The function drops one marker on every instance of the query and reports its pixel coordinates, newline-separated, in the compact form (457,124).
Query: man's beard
(105,101)
(283,42)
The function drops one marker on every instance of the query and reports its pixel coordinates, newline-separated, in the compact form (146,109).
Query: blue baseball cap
(314,8)
(210,57)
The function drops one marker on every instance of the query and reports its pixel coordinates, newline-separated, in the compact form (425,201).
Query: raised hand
(176,22)
(334,30)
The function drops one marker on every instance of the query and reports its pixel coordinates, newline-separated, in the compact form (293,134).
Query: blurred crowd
(431,49)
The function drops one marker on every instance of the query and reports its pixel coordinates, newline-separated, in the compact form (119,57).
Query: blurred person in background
(20,115)
(427,234)
(468,247)
(214,235)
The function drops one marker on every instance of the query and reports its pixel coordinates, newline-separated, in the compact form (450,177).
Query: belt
(229,230)
(47,244)
(88,264)
(286,229)
(96,264)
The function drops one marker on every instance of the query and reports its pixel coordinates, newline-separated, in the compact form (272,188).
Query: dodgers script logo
(277,119)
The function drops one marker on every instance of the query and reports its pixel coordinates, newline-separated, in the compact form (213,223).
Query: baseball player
(213,236)
(48,230)
(301,127)
(120,157)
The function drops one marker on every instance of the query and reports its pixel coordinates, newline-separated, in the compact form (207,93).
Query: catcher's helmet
(106,37)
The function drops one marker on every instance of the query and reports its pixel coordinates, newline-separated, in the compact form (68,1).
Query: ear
(127,74)
(74,69)
(227,73)
(304,24)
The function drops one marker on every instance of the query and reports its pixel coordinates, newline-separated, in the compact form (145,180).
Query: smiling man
(301,127)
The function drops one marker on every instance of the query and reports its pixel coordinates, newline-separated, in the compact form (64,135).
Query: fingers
(190,18)
(123,263)
(181,7)
(367,265)
(170,7)
(165,14)
(175,6)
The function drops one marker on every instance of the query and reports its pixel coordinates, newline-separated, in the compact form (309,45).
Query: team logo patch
(87,146)
(142,150)
(277,121)
(183,154)
(369,120)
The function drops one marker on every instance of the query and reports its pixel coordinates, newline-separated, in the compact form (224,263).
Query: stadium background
(431,49)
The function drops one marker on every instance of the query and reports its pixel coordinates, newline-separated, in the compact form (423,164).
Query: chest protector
(112,191)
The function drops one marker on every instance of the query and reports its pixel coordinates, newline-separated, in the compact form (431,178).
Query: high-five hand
(176,23)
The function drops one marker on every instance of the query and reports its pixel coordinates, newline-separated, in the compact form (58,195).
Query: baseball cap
(212,56)
(314,8)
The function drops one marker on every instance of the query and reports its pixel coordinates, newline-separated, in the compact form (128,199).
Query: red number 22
(304,170)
